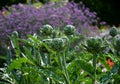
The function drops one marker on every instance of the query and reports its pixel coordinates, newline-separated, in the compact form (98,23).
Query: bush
(27,19)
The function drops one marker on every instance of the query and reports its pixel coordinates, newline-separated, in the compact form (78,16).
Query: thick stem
(49,64)
(64,64)
(63,67)
(94,65)
(48,60)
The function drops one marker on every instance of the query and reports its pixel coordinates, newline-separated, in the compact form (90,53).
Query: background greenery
(107,10)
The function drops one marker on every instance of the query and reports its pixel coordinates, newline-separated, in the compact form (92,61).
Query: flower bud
(113,32)
(15,33)
(46,30)
(58,44)
(94,45)
(69,30)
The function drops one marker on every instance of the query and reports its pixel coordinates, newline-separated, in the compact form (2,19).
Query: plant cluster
(60,57)
(26,19)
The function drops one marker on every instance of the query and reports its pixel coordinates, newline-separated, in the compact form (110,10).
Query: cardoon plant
(56,60)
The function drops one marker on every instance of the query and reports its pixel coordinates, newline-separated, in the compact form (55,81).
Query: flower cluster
(27,19)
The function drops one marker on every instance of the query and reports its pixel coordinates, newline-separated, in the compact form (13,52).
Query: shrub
(27,19)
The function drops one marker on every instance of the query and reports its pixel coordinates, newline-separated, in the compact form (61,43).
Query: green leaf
(115,68)
(8,56)
(81,64)
(112,57)
(74,41)
(53,76)
(49,49)
(17,63)
(28,53)
(106,78)
(34,38)
(2,57)
(26,42)
(116,78)
(103,61)
(15,45)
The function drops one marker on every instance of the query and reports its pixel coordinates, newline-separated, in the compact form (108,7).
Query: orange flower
(110,62)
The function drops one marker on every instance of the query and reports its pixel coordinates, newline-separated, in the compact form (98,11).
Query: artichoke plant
(113,32)
(69,30)
(58,44)
(46,30)
(94,45)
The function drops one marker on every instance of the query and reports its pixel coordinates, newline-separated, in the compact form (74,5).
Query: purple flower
(26,19)
(103,23)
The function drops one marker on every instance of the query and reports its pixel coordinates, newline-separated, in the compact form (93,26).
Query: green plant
(69,30)
(113,32)
(58,58)
(46,30)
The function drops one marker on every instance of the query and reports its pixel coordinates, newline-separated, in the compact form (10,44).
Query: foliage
(61,59)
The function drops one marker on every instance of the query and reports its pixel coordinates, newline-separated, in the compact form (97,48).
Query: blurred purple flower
(103,23)
(27,19)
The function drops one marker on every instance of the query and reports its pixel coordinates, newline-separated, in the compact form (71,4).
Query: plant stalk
(49,64)
(94,65)
(63,67)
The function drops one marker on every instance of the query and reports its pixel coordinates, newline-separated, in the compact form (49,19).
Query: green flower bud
(58,44)
(94,45)
(69,30)
(15,33)
(113,32)
(46,30)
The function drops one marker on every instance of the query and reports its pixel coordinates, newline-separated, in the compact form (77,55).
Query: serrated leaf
(15,45)
(52,75)
(81,64)
(17,63)
(34,38)
(106,78)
